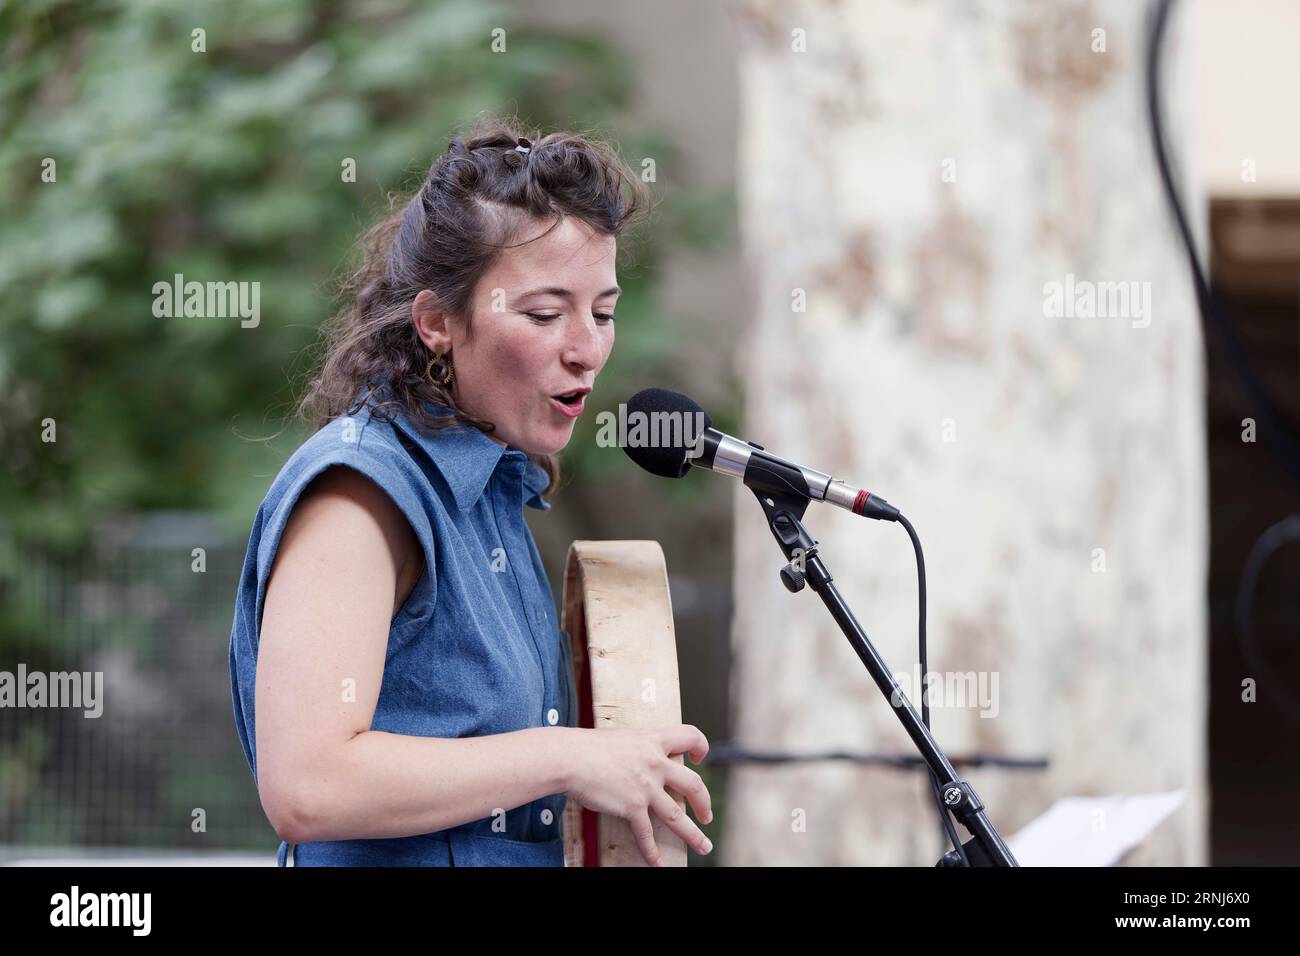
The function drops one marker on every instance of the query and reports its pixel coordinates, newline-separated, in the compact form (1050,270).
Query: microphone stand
(770,483)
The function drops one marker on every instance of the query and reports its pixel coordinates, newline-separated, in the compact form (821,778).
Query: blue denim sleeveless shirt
(474,650)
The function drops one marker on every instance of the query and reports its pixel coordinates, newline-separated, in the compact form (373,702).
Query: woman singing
(395,635)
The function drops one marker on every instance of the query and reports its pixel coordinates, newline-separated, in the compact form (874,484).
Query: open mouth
(570,403)
(572,398)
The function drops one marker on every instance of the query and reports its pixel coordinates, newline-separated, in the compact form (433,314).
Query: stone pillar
(968,297)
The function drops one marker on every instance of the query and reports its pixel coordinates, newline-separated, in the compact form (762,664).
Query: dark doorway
(1254,759)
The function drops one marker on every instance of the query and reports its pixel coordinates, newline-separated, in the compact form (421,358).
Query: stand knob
(792,578)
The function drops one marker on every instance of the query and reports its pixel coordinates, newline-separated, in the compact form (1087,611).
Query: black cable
(1283,532)
(1277,437)
(729,752)
(925,705)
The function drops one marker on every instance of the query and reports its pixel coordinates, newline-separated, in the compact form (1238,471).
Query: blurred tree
(139,141)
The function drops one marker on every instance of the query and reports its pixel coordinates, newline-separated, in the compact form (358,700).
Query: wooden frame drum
(619,618)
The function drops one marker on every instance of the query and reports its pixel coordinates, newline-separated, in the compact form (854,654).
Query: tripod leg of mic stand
(974,853)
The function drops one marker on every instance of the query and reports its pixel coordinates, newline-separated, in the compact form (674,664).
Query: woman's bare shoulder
(336,517)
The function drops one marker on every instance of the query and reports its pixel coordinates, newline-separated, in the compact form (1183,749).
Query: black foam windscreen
(665,459)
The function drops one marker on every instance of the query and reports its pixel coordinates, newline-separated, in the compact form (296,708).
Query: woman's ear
(430,321)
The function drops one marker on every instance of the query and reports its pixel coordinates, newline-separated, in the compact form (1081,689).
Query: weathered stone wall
(922,174)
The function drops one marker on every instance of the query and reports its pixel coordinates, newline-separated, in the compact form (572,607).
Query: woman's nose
(584,346)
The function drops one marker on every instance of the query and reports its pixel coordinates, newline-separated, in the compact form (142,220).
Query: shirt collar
(466,458)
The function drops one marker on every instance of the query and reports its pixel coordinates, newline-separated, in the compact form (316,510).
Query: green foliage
(225,165)
(128,155)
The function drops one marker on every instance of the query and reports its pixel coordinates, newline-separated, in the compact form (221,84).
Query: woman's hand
(624,773)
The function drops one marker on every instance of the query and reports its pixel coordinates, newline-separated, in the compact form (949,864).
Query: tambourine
(619,618)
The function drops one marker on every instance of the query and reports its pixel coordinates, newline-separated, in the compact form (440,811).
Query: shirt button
(552,716)
(547,817)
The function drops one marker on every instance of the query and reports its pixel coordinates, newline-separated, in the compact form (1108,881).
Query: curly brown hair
(474,202)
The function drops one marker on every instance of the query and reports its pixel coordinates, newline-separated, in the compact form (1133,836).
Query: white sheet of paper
(1091,831)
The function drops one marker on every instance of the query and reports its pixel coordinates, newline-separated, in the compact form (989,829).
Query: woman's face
(542,327)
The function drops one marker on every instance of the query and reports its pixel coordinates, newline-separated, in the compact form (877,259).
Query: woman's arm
(346,562)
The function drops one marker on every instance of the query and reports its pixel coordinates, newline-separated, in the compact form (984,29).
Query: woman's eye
(543,317)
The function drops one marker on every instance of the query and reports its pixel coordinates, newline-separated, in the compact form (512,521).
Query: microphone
(681,435)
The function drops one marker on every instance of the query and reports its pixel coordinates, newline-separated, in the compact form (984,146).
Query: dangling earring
(445,371)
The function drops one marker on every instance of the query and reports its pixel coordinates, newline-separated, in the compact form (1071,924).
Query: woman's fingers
(643,832)
(686,738)
(689,784)
(666,808)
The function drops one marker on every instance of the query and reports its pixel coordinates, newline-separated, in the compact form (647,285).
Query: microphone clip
(783,511)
